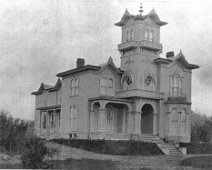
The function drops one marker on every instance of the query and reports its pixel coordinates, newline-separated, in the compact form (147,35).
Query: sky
(39,39)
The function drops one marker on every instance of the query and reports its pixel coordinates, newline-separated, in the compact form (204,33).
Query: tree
(35,153)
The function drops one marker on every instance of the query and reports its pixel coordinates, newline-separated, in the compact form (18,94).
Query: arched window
(175,86)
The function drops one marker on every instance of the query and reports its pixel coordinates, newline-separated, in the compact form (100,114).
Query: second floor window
(74,87)
(176,86)
(106,86)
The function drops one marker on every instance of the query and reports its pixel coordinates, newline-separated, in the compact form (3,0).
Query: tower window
(130,35)
(149,35)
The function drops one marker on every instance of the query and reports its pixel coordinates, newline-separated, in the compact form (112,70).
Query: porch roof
(110,98)
(49,107)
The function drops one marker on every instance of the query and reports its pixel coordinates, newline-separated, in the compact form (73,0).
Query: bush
(197,148)
(198,162)
(113,147)
(35,153)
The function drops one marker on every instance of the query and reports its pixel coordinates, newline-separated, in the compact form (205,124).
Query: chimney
(169,54)
(80,62)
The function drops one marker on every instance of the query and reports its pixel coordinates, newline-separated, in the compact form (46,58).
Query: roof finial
(141,9)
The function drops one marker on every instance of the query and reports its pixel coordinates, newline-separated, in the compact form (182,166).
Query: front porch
(49,122)
(116,119)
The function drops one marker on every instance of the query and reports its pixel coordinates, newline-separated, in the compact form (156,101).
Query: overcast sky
(39,38)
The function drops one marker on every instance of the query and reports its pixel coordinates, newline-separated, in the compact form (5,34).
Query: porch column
(124,122)
(154,123)
(91,121)
(137,122)
(129,122)
(54,125)
(41,120)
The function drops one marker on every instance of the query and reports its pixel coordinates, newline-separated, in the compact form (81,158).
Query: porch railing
(140,93)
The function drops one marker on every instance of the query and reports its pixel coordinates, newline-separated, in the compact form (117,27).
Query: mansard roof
(152,15)
(47,87)
(181,58)
(77,70)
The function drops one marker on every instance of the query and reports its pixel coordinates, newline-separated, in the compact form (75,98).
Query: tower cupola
(140,32)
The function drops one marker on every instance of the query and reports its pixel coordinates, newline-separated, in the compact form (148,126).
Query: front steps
(166,148)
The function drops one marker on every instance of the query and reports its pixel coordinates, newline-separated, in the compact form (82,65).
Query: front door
(147,119)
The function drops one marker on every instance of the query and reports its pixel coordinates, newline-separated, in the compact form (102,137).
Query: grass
(198,162)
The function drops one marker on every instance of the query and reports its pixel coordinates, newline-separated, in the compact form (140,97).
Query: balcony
(178,98)
(128,45)
(151,45)
(140,93)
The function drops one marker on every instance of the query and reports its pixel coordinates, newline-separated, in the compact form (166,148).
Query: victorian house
(147,94)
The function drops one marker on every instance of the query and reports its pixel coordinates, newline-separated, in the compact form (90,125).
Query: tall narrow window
(128,35)
(71,119)
(147,35)
(74,87)
(44,121)
(151,36)
(132,35)
(51,119)
(176,86)
(171,86)
(180,87)
(103,86)
(75,118)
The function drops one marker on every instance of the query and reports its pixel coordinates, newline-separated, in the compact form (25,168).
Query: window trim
(74,86)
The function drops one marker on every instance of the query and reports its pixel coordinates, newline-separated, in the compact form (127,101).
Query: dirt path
(121,162)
